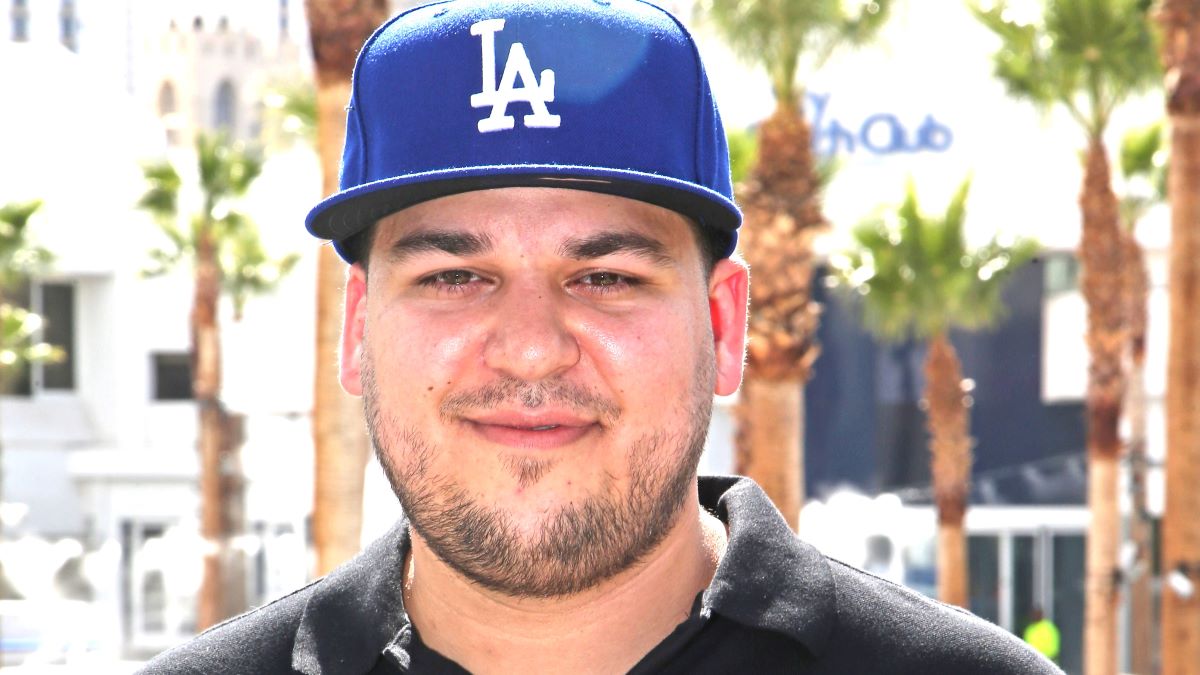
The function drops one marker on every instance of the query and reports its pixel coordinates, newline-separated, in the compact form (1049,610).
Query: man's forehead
(572,223)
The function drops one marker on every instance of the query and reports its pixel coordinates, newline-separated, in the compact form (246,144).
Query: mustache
(532,395)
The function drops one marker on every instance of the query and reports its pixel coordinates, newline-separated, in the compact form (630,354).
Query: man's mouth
(513,431)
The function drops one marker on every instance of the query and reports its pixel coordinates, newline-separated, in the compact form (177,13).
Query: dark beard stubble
(578,545)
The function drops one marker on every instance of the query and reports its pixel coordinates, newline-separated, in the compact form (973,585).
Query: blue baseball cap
(601,95)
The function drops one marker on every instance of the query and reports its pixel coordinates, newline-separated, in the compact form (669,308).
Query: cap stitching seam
(701,86)
(357,106)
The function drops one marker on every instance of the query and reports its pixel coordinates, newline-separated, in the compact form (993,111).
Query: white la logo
(536,92)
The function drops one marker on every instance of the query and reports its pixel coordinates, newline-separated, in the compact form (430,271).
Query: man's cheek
(436,361)
(645,352)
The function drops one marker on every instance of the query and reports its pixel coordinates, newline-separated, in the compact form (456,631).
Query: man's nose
(530,338)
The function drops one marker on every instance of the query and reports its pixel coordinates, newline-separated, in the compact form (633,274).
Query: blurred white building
(98,451)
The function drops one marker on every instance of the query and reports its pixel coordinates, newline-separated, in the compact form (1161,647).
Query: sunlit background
(100,546)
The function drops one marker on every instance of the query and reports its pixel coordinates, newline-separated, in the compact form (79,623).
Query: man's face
(538,368)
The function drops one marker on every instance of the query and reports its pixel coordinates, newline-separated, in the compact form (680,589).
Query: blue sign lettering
(878,134)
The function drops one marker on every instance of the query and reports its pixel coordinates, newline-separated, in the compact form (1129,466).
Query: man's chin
(543,543)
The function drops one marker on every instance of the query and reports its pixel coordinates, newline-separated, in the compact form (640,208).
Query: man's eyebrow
(445,241)
(607,243)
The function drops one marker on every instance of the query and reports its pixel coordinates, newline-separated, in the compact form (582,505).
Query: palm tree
(291,113)
(1089,56)
(18,257)
(781,203)
(1180,20)
(918,279)
(227,257)
(337,28)
(743,152)
(1144,172)
(19,260)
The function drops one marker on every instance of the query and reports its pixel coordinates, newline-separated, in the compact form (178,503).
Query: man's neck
(606,629)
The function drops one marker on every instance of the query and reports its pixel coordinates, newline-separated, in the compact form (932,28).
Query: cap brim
(349,212)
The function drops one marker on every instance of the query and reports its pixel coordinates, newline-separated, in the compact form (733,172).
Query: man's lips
(537,431)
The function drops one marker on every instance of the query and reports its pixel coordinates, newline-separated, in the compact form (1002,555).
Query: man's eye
(455,277)
(607,281)
(603,279)
(450,279)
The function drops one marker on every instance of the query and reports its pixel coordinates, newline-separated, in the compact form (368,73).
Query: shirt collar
(767,579)
(355,611)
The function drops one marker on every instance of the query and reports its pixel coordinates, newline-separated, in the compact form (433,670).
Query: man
(537,207)
(1042,634)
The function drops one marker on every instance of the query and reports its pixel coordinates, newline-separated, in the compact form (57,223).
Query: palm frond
(226,170)
(863,22)
(915,277)
(1143,161)
(1087,55)
(18,330)
(14,216)
(161,198)
(774,34)
(294,108)
(19,257)
(162,261)
(1141,151)
(743,151)
(858,23)
(246,268)
(1022,62)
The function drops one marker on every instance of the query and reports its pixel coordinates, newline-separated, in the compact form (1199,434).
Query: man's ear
(352,330)
(728,298)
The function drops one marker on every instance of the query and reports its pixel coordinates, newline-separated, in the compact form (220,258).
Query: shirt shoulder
(259,641)
(886,627)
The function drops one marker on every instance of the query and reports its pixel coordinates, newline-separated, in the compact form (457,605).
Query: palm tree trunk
(1180,20)
(3,575)
(339,433)
(781,203)
(771,415)
(1181,521)
(1136,289)
(337,28)
(950,456)
(1100,279)
(206,385)
(3,572)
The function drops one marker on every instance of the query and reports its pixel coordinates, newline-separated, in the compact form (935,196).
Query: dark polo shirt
(775,605)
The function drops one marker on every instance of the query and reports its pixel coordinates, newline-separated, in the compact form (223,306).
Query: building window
(55,303)
(69,25)
(58,310)
(172,376)
(167,106)
(20,20)
(1061,274)
(154,612)
(226,106)
(283,19)
(166,99)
